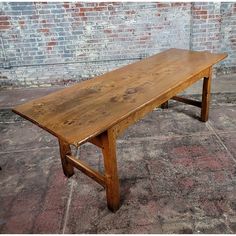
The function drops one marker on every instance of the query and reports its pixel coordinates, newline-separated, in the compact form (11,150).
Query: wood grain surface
(84,110)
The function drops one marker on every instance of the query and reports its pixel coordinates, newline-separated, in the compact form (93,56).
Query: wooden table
(99,109)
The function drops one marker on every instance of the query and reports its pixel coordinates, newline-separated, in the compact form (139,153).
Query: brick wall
(214,28)
(52,43)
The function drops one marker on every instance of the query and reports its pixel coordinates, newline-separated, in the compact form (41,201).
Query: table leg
(65,150)
(206,93)
(111,173)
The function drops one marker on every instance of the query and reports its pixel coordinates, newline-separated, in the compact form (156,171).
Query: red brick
(163,5)
(203,17)
(66,5)
(102,4)
(52,43)
(108,31)
(178,4)
(200,12)
(4,18)
(78,5)
(44,30)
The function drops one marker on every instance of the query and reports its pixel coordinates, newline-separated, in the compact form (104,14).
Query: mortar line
(210,127)
(68,208)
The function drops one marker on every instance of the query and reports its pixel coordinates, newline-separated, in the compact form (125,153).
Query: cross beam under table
(107,140)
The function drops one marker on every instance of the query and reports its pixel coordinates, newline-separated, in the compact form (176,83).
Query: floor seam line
(209,126)
(68,208)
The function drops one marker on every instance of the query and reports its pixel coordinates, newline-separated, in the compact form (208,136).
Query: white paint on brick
(118,31)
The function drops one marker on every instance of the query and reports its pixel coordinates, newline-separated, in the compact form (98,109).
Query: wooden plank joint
(96,141)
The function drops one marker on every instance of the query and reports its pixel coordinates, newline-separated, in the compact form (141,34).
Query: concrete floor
(177,174)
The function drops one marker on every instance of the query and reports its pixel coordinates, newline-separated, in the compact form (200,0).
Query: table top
(88,108)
